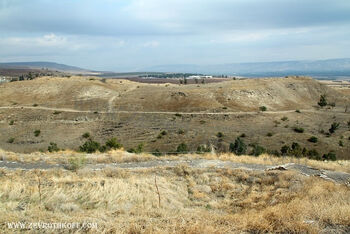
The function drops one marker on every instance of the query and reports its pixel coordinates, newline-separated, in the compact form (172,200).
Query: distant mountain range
(316,68)
(44,65)
(329,67)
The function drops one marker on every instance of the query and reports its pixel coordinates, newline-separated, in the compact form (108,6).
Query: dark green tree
(239,147)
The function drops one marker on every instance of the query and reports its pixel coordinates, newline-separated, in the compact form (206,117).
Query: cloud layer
(129,34)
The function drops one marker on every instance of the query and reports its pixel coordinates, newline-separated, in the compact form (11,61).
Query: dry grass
(192,201)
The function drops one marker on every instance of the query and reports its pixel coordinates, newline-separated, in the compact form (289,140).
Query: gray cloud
(126,34)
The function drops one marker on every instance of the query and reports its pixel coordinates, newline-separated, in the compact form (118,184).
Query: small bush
(182,148)
(53,147)
(270,134)
(263,108)
(11,140)
(341,144)
(243,135)
(298,129)
(257,150)
(35,105)
(220,134)
(298,111)
(12,122)
(180,131)
(90,146)
(313,139)
(178,114)
(334,127)
(163,133)
(113,144)
(239,147)
(86,135)
(75,163)
(203,149)
(138,150)
(323,101)
(330,156)
(37,133)
(57,112)
(284,118)
(157,153)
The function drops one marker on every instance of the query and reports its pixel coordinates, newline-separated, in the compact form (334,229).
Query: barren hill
(63,109)
(236,95)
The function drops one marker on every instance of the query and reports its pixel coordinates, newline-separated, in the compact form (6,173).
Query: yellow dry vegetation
(191,200)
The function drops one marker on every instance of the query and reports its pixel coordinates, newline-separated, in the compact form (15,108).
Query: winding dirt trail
(336,177)
(110,110)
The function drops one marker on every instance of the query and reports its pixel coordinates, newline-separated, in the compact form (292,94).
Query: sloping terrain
(236,95)
(63,109)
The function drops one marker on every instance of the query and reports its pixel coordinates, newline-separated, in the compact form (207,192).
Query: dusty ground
(66,108)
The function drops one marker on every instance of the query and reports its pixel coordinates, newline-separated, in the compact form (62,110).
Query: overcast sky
(125,35)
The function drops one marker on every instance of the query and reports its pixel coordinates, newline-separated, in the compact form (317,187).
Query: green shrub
(263,108)
(90,146)
(37,133)
(298,111)
(298,129)
(180,131)
(257,150)
(313,139)
(220,134)
(269,134)
(341,144)
(313,154)
(113,144)
(203,149)
(157,153)
(178,114)
(163,133)
(285,150)
(53,147)
(323,101)
(182,148)
(284,118)
(12,122)
(35,105)
(57,112)
(243,135)
(138,150)
(86,135)
(334,127)
(330,156)
(239,147)
(11,140)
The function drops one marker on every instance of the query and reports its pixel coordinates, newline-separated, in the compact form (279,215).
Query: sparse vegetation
(313,139)
(323,101)
(182,148)
(263,108)
(284,118)
(298,129)
(86,135)
(239,147)
(11,140)
(37,133)
(334,127)
(53,147)
(220,135)
(90,146)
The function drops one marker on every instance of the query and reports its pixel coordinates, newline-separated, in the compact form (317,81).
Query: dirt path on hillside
(110,110)
(337,177)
